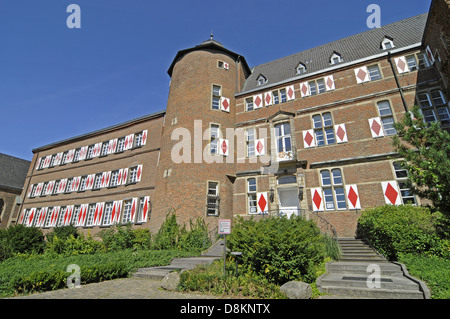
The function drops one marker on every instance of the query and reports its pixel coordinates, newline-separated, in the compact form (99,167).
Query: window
(114,179)
(279,96)
(214,144)
(120,145)
(69,185)
(216,94)
(333,189)
(48,218)
(126,216)
(261,80)
(77,154)
(55,188)
(423,60)
(317,87)
(374,72)
(33,190)
(138,139)
(83,183)
(90,215)
(336,58)
(105,147)
(301,69)
(289,179)
(64,157)
(323,129)
(434,103)
(76,214)
(283,137)
(212,199)
(97,181)
(44,189)
(249,104)
(90,152)
(133,175)
(250,139)
(385,111)
(61,216)
(402,175)
(53,161)
(387,43)
(107,214)
(416,61)
(251,195)
(141,210)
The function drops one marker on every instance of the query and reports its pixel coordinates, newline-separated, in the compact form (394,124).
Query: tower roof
(209,44)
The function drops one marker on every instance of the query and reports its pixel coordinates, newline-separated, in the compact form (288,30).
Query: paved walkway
(124,288)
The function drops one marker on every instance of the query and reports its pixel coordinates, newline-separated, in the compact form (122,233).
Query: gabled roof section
(209,44)
(406,33)
(13,172)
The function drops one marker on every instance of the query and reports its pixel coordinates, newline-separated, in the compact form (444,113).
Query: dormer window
(301,69)
(261,80)
(387,43)
(336,58)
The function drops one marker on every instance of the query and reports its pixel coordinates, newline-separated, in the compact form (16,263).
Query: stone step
(373,293)
(360,268)
(360,281)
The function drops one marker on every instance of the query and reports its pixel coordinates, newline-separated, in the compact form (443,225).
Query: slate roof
(13,171)
(404,33)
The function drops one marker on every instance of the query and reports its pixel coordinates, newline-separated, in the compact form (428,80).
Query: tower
(195,169)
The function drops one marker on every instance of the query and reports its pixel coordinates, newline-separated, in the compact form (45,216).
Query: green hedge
(394,230)
(279,249)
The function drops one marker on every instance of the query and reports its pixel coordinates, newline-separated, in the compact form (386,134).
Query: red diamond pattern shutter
(391,193)
(30,190)
(97,149)
(133,209)
(290,93)
(329,83)
(103,183)
(99,213)
(223,147)
(68,214)
(90,181)
(402,66)
(376,127)
(144,137)
(42,216)
(54,216)
(304,89)
(76,184)
(47,161)
(83,214)
(225,104)
(124,176)
(38,163)
(118,209)
(58,158)
(262,203)
(341,133)
(119,177)
(430,54)
(139,173)
(362,75)
(70,156)
(50,187)
(38,189)
(260,148)
(317,199)
(30,217)
(352,197)
(257,101)
(83,152)
(308,139)
(145,209)
(268,98)
(22,216)
(62,186)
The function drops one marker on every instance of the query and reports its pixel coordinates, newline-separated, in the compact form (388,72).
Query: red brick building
(306,134)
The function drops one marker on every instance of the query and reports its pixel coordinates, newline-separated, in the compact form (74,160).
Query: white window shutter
(376,127)
(223,147)
(119,177)
(341,133)
(268,98)
(58,158)
(54,217)
(90,181)
(47,161)
(97,149)
(329,83)
(304,89)
(362,74)
(30,189)
(146,208)
(50,187)
(262,203)
(68,214)
(225,104)
(62,186)
(70,156)
(144,137)
(76,184)
(402,66)
(430,54)
(317,199)
(98,213)
(226,66)
(290,93)
(139,173)
(83,152)
(308,139)
(124,176)
(352,196)
(133,208)
(117,208)
(260,147)
(39,189)
(103,183)
(38,163)
(31,217)
(391,193)
(257,101)
(82,215)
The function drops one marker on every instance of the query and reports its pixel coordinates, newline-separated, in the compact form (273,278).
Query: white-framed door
(288,201)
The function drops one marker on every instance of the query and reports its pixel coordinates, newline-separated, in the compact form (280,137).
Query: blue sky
(56,82)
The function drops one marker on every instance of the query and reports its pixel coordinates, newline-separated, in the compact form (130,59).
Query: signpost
(224,229)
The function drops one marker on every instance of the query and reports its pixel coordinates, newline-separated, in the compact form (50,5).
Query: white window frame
(107,214)
(401,174)
(90,215)
(371,69)
(252,206)
(212,190)
(324,130)
(216,95)
(384,109)
(284,136)
(250,139)
(126,211)
(330,189)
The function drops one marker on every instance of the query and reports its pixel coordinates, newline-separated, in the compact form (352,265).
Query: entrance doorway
(288,201)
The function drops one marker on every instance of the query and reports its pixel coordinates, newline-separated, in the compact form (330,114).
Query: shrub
(74,246)
(194,239)
(279,249)
(21,239)
(167,236)
(402,229)
(63,232)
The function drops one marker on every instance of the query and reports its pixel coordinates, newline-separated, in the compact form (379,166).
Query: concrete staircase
(179,264)
(353,275)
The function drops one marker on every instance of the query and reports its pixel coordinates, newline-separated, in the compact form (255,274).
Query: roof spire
(211,35)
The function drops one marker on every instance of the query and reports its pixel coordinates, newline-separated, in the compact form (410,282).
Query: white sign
(225,226)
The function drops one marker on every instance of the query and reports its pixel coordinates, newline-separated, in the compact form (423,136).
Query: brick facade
(314,154)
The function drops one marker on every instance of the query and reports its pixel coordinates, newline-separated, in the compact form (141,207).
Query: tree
(426,150)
